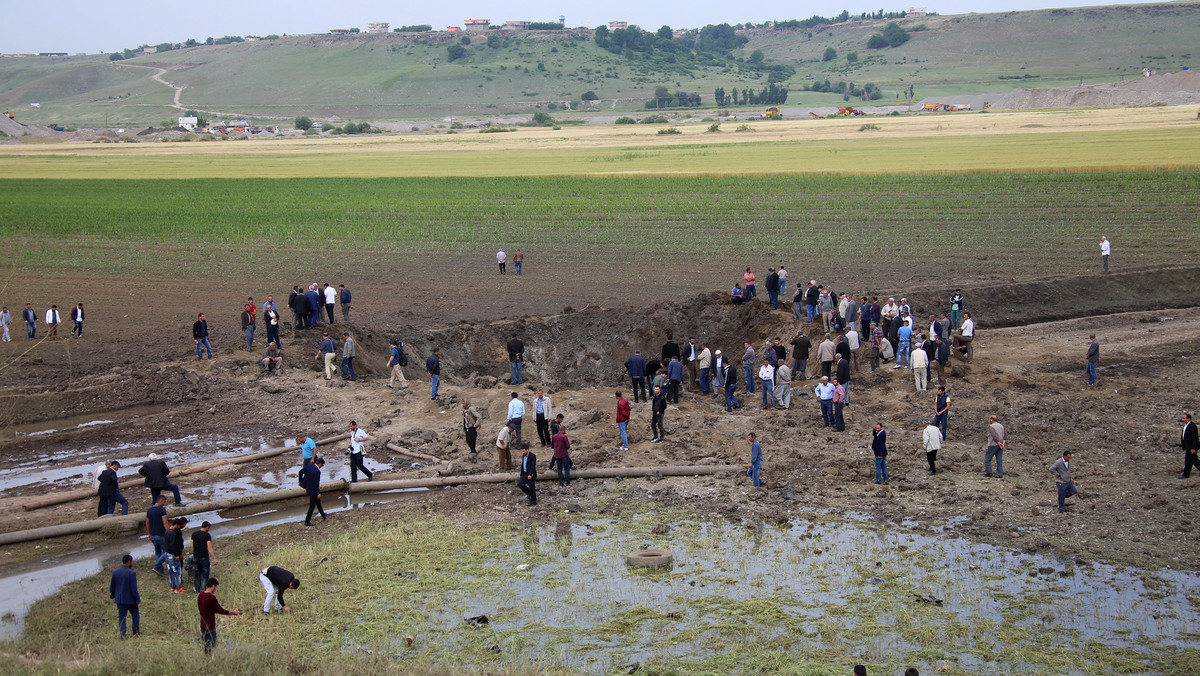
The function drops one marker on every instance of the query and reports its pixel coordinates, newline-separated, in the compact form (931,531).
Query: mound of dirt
(1172,89)
(15,129)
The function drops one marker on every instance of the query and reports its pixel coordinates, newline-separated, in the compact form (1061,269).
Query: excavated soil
(133,370)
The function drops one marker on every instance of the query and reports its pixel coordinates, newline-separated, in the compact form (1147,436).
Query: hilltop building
(477,24)
(914,12)
(516,25)
(377,27)
(189,122)
(614,25)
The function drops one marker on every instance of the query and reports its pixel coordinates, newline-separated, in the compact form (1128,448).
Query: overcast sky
(105,25)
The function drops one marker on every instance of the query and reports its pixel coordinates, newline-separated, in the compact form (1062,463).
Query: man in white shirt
(500,258)
(516,413)
(330,298)
(766,373)
(52,321)
(931,437)
(964,339)
(357,444)
(853,342)
(1105,250)
(920,366)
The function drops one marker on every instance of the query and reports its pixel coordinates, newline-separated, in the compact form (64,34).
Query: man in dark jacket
(110,491)
(879,450)
(433,366)
(773,288)
(811,297)
(1189,441)
(941,356)
(842,368)
(173,543)
(314,305)
(526,482)
(156,472)
(730,387)
(296,323)
(122,589)
(200,335)
(800,347)
(344,298)
(275,582)
(658,410)
(674,379)
(516,360)
(635,367)
(310,479)
(670,349)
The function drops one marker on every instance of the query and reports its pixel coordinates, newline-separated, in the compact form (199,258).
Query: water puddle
(824,590)
(24,585)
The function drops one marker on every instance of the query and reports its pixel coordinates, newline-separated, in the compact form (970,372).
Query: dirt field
(139,371)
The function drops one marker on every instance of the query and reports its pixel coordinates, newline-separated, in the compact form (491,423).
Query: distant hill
(407,76)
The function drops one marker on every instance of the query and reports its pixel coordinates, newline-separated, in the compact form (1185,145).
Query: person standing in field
(729,382)
(122,589)
(658,412)
(931,438)
(516,415)
(5,322)
(433,366)
(824,392)
(562,456)
(53,319)
(880,451)
(248,311)
(920,365)
(504,444)
(748,360)
(826,352)
(344,298)
(1092,357)
(623,420)
(1189,441)
(704,364)
(782,282)
(173,543)
(516,360)
(470,421)
(275,582)
(1105,251)
(77,320)
(800,349)
(271,319)
(203,556)
(773,288)
(348,354)
(327,350)
(956,310)
(310,480)
(543,413)
(839,403)
(156,530)
(396,361)
(209,608)
(518,261)
(766,376)
(997,440)
(756,461)
(812,298)
(330,296)
(783,386)
(750,290)
(501,257)
(296,323)
(314,305)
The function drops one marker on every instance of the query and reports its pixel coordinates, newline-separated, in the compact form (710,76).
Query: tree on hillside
(665,32)
(662,95)
(895,34)
(302,123)
(830,54)
(756,57)
(455,52)
(589,95)
(493,41)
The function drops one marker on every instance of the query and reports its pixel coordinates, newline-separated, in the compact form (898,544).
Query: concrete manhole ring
(649,558)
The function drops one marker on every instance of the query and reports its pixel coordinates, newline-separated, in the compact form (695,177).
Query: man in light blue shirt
(824,392)
(903,345)
(516,412)
(307,446)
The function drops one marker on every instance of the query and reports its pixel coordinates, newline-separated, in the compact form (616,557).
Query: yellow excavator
(848,111)
(772,114)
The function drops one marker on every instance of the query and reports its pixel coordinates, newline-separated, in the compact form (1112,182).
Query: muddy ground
(134,367)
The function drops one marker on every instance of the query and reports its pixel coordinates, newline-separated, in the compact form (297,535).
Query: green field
(953,221)
(407,76)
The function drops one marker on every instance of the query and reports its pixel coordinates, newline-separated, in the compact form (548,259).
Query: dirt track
(137,372)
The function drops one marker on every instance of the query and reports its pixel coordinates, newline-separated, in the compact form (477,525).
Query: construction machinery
(932,107)
(816,117)
(848,111)
(11,115)
(772,114)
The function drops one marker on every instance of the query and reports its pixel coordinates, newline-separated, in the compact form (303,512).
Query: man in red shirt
(209,607)
(623,420)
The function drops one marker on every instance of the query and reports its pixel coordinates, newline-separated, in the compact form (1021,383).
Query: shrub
(303,123)
(830,54)
(456,125)
(589,96)
(744,127)
(865,127)
(311,132)
(654,119)
(669,130)
(714,127)
(455,52)
(626,120)
(495,130)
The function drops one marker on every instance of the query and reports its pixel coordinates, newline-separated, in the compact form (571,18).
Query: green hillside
(404,76)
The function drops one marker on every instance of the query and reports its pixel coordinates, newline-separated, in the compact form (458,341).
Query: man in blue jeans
(156,528)
(756,460)
(122,589)
(824,391)
(941,410)
(516,359)
(1061,469)
(200,335)
(1093,357)
(729,377)
(433,366)
(748,366)
(879,450)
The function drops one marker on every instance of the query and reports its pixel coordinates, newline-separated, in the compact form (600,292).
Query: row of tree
(771,95)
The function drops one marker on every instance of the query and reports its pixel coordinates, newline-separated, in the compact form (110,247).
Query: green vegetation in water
(809,598)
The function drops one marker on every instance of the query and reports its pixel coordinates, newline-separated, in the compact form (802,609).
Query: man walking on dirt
(519,261)
(344,298)
(931,439)
(729,378)
(310,480)
(200,336)
(941,410)
(516,415)
(77,320)
(358,441)
(880,451)
(30,318)
(997,439)
(528,480)
(1061,469)
(203,556)
(1190,442)
(348,354)
(1105,251)
(109,491)
(501,257)
(156,530)
(471,421)
(635,368)
(756,461)
(396,361)
(748,359)
(314,305)
(5,322)
(156,472)
(122,589)
(327,350)
(53,319)
(330,296)
(1093,357)
(516,363)
(542,414)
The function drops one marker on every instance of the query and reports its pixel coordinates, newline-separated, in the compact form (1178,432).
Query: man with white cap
(156,472)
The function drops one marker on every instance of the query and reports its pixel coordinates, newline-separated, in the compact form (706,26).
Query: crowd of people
(53,317)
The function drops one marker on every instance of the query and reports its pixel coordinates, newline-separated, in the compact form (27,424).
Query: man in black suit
(528,477)
(156,472)
(1190,443)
